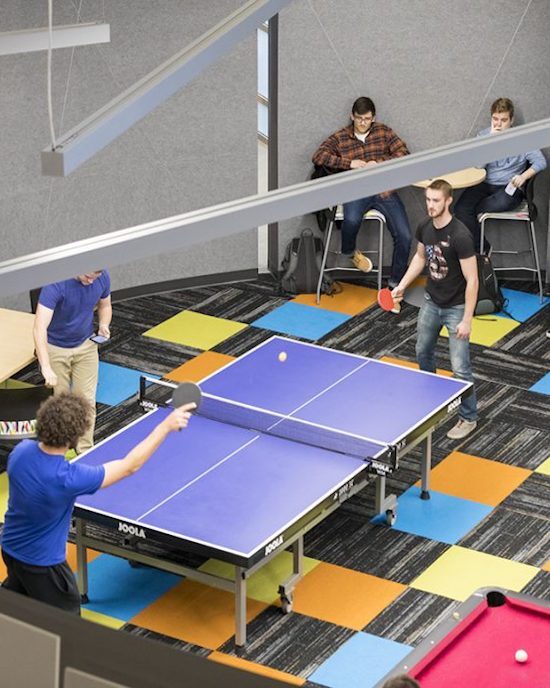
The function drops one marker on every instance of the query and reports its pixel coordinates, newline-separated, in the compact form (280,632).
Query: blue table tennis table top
(232,489)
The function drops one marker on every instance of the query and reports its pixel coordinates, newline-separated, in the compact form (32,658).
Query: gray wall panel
(197,149)
(432,67)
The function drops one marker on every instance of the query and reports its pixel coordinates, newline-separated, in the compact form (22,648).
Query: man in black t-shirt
(446,247)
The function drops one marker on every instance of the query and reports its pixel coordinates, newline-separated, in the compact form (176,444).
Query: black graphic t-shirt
(445,248)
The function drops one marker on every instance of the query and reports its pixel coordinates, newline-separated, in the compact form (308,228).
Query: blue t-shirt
(42,492)
(73,306)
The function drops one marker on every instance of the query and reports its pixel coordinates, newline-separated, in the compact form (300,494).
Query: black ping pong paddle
(187,393)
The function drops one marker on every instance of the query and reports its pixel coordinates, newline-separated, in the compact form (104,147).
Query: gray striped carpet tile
(110,419)
(489,364)
(238,304)
(174,643)
(347,541)
(411,617)
(362,504)
(504,441)
(532,497)
(512,535)
(145,312)
(512,368)
(373,333)
(530,338)
(148,354)
(539,586)
(245,340)
(264,284)
(293,643)
(529,409)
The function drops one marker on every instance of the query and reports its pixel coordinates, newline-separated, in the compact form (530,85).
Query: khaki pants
(77,370)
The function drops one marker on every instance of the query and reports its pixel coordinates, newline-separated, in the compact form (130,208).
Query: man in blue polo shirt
(43,488)
(503,188)
(63,326)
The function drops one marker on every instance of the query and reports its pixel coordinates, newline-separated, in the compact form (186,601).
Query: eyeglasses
(365,119)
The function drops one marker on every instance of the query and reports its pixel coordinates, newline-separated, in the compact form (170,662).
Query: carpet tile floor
(369,592)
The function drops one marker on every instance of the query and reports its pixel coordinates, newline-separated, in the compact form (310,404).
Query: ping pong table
(273,450)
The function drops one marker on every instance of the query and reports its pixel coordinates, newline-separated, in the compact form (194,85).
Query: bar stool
(527,213)
(338,215)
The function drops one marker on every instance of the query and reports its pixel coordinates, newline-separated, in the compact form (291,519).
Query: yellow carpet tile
(195,330)
(459,572)
(488,329)
(264,584)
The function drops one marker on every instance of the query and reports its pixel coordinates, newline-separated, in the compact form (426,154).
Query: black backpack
(301,266)
(490,298)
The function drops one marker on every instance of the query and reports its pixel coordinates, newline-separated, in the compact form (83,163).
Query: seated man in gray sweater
(502,189)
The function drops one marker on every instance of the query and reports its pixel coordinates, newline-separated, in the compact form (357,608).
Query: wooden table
(16,341)
(460,179)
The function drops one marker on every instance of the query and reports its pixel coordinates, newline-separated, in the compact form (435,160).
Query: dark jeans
(484,198)
(396,221)
(54,585)
(431,319)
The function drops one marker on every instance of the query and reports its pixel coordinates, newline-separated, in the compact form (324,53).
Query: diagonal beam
(97,131)
(174,233)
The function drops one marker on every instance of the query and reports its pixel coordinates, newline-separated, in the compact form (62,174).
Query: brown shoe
(361,262)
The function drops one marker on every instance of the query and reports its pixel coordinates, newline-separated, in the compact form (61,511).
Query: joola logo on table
(273,545)
(131,530)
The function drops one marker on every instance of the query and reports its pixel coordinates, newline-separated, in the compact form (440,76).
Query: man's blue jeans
(430,321)
(396,221)
(484,198)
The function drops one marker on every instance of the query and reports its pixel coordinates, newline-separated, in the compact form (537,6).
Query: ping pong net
(231,412)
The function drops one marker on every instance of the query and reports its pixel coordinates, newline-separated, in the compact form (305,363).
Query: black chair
(527,213)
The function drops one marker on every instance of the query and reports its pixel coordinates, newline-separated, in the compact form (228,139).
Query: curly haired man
(43,488)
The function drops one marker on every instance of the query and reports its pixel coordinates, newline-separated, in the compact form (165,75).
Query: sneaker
(345,261)
(361,262)
(462,429)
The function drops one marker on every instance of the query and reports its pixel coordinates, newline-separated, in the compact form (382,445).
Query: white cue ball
(521,656)
(282,356)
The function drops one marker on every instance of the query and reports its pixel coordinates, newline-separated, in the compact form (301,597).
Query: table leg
(426,466)
(298,558)
(240,606)
(81,561)
(286,588)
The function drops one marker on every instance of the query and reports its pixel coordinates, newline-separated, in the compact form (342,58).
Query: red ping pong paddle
(187,393)
(385,299)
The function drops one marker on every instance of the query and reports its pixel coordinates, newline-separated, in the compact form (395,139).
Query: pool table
(476,645)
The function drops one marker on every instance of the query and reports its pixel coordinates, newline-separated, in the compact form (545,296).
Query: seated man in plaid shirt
(363,143)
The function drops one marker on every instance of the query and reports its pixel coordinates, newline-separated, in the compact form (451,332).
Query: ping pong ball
(521,656)
(282,356)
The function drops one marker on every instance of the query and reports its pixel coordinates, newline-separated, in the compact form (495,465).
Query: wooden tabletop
(16,342)
(458,180)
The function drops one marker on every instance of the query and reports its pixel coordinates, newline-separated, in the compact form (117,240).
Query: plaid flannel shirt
(342,147)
